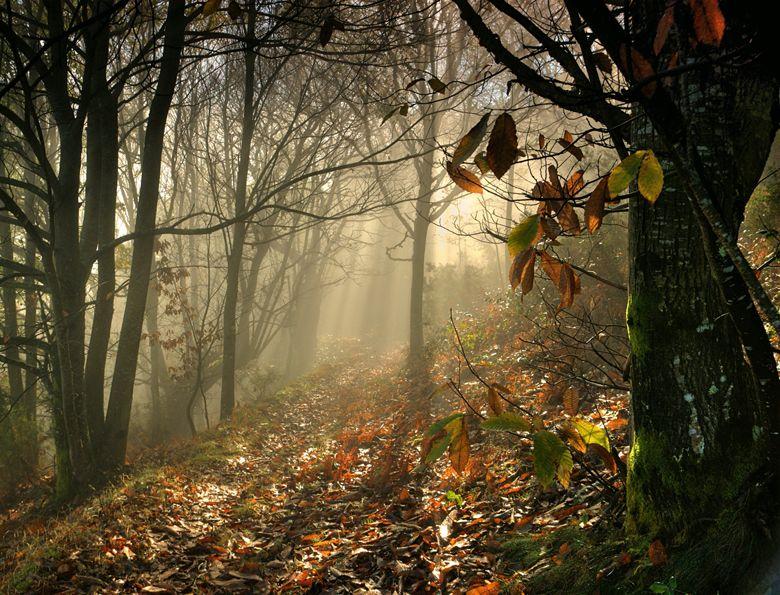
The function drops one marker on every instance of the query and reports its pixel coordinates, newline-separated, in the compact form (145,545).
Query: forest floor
(319,489)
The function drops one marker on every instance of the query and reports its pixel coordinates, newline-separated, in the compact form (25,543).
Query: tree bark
(235,258)
(121,396)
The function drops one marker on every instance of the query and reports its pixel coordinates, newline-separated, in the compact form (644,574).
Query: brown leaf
(575,183)
(568,219)
(552,266)
(571,148)
(495,402)
(657,553)
(571,401)
(662,32)
(522,270)
(541,141)
(554,179)
(566,286)
(550,227)
(502,146)
(470,141)
(709,23)
(594,207)
(603,63)
(605,456)
(641,69)
(573,437)
(459,447)
(464,178)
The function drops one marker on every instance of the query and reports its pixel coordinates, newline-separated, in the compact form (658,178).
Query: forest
(396,296)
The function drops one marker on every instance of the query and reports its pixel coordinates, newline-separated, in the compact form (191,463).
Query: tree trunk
(235,258)
(121,397)
(702,373)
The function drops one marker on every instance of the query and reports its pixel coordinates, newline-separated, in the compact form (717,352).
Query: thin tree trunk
(121,396)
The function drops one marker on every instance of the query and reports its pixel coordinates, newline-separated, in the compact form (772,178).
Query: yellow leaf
(211,7)
(651,177)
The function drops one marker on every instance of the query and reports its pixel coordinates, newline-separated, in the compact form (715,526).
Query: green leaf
(591,433)
(565,465)
(211,7)
(624,173)
(659,588)
(438,448)
(522,235)
(548,452)
(507,422)
(482,163)
(651,177)
(454,497)
(469,143)
(439,425)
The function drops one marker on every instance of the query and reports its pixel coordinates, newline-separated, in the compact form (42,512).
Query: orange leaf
(568,219)
(487,589)
(708,21)
(662,32)
(657,553)
(495,403)
(594,208)
(571,401)
(641,69)
(464,178)
(459,447)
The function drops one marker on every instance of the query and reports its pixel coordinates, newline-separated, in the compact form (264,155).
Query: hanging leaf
(434,446)
(234,10)
(552,266)
(522,271)
(403,110)
(439,425)
(412,83)
(555,181)
(594,207)
(565,465)
(571,401)
(464,178)
(541,142)
(573,437)
(624,173)
(662,31)
(567,286)
(495,402)
(569,146)
(389,115)
(482,163)
(709,24)
(211,7)
(567,217)
(507,422)
(605,456)
(548,452)
(502,146)
(650,179)
(575,183)
(603,63)
(326,31)
(591,433)
(640,69)
(469,143)
(459,446)
(550,227)
(437,86)
(522,235)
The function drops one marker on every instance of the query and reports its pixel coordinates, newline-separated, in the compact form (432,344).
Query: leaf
(568,219)
(234,10)
(548,452)
(573,437)
(594,207)
(389,115)
(502,146)
(507,422)
(641,69)
(569,146)
(709,24)
(565,465)
(650,180)
(464,178)
(603,63)
(591,433)
(470,141)
(438,447)
(326,31)
(403,110)
(493,588)
(436,85)
(662,31)
(495,403)
(624,173)
(571,401)
(657,553)
(550,227)
(541,141)
(522,235)
(605,456)
(413,82)
(459,446)
(522,271)
(211,7)
(439,425)
(552,266)
(567,286)
(482,163)
(575,183)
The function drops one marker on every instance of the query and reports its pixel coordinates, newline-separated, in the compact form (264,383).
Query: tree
(703,378)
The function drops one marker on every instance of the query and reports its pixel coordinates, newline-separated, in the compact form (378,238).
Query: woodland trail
(312,492)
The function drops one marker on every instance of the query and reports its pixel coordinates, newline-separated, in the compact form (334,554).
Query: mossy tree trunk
(703,376)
